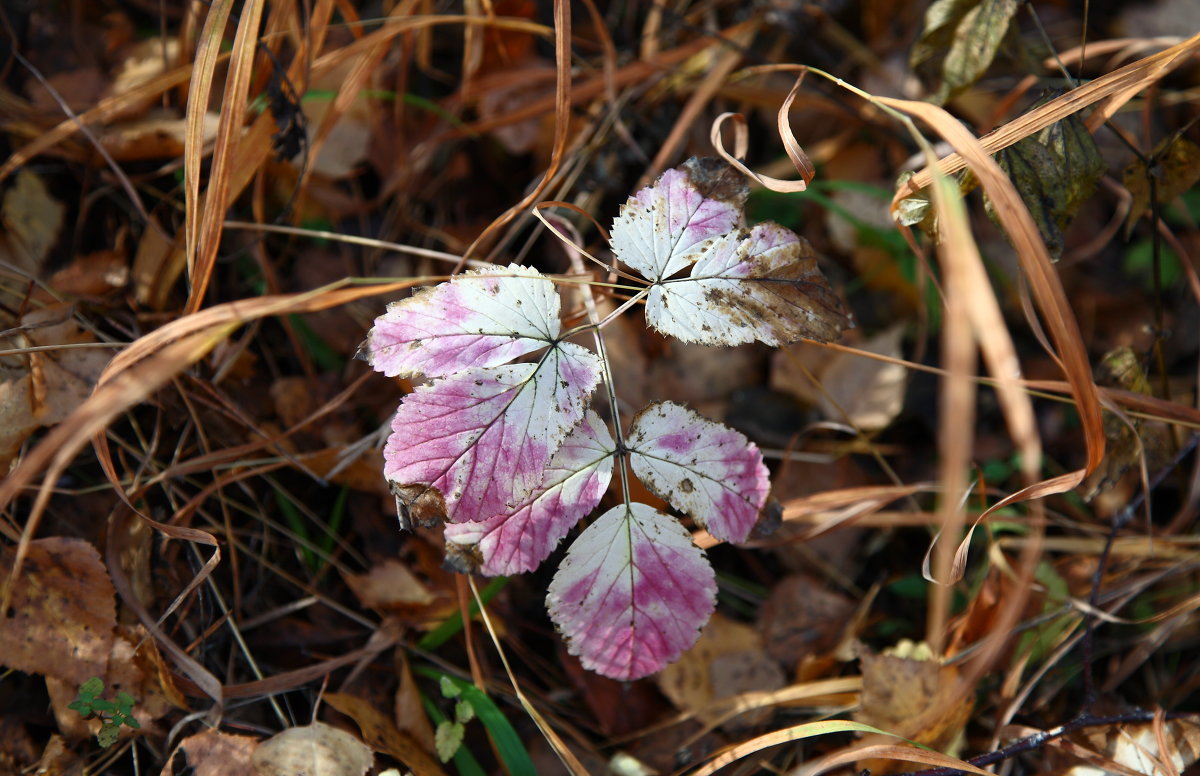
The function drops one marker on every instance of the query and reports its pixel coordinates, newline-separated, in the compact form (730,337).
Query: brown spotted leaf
(743,285)
(759,285)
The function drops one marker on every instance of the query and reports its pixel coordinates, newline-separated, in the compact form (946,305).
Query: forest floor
(982,529)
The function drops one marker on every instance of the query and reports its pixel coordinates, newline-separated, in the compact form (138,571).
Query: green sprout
(112,714)
(449,735)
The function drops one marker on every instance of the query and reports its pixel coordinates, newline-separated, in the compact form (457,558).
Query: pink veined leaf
(700,467)
(573,484)
(476,443)
(664,227)
(758,285)
(632,593)
(480,318)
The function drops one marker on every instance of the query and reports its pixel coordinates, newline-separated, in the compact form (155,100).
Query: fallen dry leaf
(41,388)
(728,659)
(32,221)
(390,586)
(409,712)
(802,617)
(63,612)
(313,750)
(134,666)
(157,135)
(157,264)
(905,693)
(381,734)
(213,753)
(863,391)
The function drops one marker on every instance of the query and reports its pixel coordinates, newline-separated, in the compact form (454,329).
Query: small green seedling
(449,734)
(112,714)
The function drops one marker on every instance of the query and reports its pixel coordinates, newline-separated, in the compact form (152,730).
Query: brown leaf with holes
(63,611)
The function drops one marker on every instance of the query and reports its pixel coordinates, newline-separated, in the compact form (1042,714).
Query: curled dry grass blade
(714,79)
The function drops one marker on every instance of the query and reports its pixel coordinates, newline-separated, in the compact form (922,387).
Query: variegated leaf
(572,486)
(632,593)
(482,438)
(700,467)
(480,318)
(664,227)
(759,285)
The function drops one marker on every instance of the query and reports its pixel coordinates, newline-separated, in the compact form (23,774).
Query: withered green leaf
(1055,171)
(959,42)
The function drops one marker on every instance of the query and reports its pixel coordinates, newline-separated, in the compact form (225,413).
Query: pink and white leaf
(632,593)
(480,318)
(574,482)
(701,467)
(759,285)
(482,437)
(664,227)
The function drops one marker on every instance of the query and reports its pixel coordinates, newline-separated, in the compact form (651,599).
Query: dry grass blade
(1120,84)
(104,110)
(205,681)
(634,72)
(135,373)
(799,159)
(51,456)
(1043,279)
(726,61)
(204,232)
(900,752)
(956,413)
(810,729)
(562,126)
(1052,302)
(203,71)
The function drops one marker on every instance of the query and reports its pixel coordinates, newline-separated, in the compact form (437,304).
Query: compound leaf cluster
(510,456)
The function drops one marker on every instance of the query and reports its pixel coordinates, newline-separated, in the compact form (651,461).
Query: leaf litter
(166,371)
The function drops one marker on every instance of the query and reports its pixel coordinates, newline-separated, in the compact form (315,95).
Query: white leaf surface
(700,467)
(480,318)
(759,285)
(664,227)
